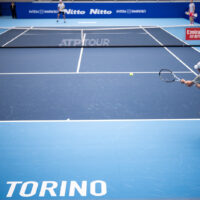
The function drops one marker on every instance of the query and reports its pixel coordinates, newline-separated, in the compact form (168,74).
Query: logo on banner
(67,11)
(74,12)
(100,12)
(42,12)
(130,11)
(192,33)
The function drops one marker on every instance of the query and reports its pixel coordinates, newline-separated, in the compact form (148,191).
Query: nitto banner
(104,10)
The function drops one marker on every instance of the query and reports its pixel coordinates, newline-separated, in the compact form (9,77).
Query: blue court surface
(74,124)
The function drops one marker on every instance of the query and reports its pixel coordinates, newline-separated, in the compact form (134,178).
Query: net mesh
(142,36)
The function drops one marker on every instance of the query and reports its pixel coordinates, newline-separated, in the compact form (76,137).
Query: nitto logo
(100,12)
(74,12)
(95,188)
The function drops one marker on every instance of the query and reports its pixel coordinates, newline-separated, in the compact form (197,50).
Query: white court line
(85,73)
(87,22)
(100,120)
(109,33)
(4,31)
(170,51)
(179,39)
(16,37)
(81,54)
(34,34)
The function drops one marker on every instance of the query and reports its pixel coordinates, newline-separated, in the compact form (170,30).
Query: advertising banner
(103,10)
(192,33)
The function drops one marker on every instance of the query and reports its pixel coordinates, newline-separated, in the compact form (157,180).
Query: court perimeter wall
(106,9)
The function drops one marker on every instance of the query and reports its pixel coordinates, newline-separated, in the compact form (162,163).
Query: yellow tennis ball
(131,74)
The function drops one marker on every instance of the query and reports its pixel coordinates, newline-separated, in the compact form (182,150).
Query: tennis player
(191,11)
(196,80)
(61,7)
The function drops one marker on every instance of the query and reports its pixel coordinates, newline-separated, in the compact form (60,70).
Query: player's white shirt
(191,7)
(61,6)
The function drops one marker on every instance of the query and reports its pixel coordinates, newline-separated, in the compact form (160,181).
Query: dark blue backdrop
(105,10)
(5,9)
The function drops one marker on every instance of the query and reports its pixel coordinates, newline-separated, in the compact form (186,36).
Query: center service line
(81,52)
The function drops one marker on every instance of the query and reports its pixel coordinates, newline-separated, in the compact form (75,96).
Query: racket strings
(167,76)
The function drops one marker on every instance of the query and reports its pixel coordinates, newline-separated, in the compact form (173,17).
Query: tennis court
(94,83)
(84,114)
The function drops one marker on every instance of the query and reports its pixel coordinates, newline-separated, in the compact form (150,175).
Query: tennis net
(141,36)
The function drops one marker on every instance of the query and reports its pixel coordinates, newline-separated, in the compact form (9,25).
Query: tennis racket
(168,76)
(187,13)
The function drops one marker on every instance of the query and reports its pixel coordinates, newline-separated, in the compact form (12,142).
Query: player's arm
(193,10)
(188,83)
(195,81)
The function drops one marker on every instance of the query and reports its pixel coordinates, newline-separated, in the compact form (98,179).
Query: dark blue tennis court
(75,124)
(94,83)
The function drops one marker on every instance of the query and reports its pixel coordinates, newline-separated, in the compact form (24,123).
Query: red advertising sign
(192,34)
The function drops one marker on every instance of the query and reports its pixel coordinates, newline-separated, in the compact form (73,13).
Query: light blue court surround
(136,160)
(8,22)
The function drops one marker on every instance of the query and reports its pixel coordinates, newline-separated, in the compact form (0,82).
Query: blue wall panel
(5,9)
(103,10)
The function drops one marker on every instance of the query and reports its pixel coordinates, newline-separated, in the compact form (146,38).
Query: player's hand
(189,83)
(182,81)
(198,85)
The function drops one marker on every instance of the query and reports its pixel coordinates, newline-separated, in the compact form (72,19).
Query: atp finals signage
(34,189)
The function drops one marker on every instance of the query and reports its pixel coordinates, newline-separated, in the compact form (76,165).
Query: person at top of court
(191,11)
(13,10)
(196,80)
(61,7)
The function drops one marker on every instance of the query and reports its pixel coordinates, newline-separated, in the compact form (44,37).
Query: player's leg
(64,17)
(58,16)
(191,18)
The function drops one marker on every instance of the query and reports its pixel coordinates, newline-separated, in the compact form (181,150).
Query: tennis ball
(131,74)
